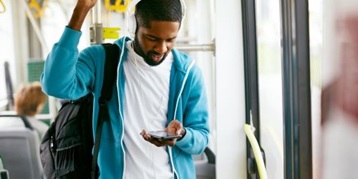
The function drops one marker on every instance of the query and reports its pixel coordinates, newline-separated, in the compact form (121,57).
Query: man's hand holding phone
(168,136)
(163,135)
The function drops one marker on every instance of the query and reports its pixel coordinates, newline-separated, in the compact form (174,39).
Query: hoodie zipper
(119,106)
(175,110)
(175,113)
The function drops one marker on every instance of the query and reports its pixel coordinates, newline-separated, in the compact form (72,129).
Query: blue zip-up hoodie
(69,74)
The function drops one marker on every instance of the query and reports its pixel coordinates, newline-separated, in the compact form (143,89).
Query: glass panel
(270,84)
(52,29)
(7,46)
(315,30)
(202,32)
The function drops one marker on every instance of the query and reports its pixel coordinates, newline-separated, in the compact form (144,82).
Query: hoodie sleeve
(195,115)
(67,73)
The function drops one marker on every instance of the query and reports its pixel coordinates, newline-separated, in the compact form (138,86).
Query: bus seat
(205,166)
(4,174)
(19,148)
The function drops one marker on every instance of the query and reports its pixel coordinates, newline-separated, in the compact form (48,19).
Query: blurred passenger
(29,101)
(340,105)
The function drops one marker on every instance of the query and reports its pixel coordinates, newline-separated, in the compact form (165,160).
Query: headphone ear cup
(183,9)
(130,18)
(132,25)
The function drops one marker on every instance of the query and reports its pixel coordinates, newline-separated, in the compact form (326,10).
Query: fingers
(161,143)
(158,143)
(170,142)
(175,127)
(145,135)
(155,141)
(150,139)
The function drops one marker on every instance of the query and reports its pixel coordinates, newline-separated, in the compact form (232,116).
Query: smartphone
(163,135)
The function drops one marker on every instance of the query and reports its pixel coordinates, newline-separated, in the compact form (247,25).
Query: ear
(39,108)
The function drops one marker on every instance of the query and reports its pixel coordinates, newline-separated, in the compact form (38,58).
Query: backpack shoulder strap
(110,70)
(110,74)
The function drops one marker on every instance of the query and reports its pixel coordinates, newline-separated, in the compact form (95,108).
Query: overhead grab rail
(119,5)
(37,7)
(3,7)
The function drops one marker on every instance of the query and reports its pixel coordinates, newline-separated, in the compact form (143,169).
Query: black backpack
(66,149)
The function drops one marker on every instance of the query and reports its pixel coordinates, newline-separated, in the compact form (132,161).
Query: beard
(148,56)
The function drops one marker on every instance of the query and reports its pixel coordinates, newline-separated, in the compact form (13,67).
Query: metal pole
(97,29)
(197,47)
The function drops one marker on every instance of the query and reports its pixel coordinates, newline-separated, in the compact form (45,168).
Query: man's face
(154,43)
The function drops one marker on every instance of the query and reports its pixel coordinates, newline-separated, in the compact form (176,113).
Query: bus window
(7,49)
(270,85)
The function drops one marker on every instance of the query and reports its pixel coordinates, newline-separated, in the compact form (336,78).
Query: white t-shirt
(145,107)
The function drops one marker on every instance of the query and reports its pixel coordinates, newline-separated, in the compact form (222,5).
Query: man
(157,88)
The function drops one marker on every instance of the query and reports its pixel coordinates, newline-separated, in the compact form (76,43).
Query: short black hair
(158,10)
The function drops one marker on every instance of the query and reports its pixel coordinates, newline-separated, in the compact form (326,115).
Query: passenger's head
(158,10)
(158,23)
(29,100)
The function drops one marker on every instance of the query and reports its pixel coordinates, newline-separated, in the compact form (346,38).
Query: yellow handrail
(3,6)
(111,32)
(33,4)
(119,5)
(37,8)
(257,152)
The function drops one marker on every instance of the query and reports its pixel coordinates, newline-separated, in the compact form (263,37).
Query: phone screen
(163,135)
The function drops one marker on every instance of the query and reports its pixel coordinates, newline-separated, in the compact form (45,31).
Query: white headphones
(130,21)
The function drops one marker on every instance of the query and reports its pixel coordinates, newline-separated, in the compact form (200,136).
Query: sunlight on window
(7,47)
(52,29)
(270,84)
(316,34)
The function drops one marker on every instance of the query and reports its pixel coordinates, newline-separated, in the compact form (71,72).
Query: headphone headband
(132,5)
(129,14)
